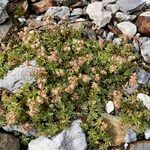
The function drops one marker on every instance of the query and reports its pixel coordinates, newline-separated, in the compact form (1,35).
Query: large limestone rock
(8,142)
(70,139)
(98,14)
(3,12)
(17,77)
(143,23)
(129,6)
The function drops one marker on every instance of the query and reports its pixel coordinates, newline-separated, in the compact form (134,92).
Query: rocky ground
(118,22)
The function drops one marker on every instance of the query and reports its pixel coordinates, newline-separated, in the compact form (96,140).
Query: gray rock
(147,134)
(145,51)
(3,12)
(110,107)
(8,142)
(143,77)
(142,40)
(124,17)
(145,99)
(4,28)
(136,45)
(130,137)
(113,8)
(127,28)
(22,20)
(77,11)
(19,128)
(98,14)
(117,41)
(70,139)
(110,36)
(129,90)
(106,2)
(129,6)
(17,77)
(61,12)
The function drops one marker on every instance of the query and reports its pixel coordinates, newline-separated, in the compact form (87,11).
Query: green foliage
(75,79)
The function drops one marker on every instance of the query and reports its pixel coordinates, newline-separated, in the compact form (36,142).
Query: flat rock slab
(142,145)
(129,6)
(8,142)
(70,139)
(17,77)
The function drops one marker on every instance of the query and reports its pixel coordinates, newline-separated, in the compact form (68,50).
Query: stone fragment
(113,8)
(145,99)
(19,128)
(117,41)
(3,13)
(110,36)
(129,6)
(124,17)
(143,77)
(141,145)
(145,51)
(77,11)
(8,142)
(110,107)
(143,23)
(147,134)
(4,28)
(61,12)
(70,139)
(17,77)
(127,28)
(98,14)
(130,137)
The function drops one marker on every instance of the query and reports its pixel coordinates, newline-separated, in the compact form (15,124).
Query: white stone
(70,139)
(145,99)
(147,134)
(109,107)
(127,28)
(98,14)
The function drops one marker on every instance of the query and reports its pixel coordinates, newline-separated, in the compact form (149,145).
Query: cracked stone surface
(70,139)
(17,77)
